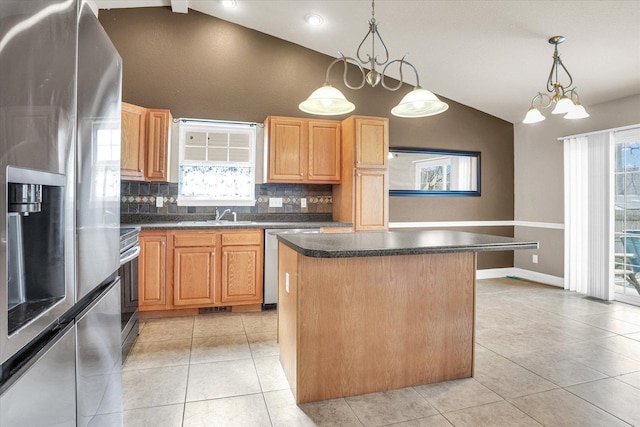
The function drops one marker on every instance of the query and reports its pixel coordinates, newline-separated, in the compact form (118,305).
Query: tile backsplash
(140,198)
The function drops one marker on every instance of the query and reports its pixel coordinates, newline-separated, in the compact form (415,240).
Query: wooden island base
(350,326)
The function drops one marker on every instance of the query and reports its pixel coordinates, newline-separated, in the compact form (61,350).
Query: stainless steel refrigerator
(60,97)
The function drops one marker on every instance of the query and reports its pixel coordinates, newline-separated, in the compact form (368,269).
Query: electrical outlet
(534,259)
(303,202)
(275,202)
(159,202)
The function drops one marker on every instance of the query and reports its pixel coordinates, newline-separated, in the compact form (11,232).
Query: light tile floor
(544,356)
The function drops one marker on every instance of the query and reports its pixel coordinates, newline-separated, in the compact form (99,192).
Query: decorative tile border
(140,198)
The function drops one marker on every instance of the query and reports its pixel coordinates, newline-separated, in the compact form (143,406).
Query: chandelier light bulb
(563,106)
(578,112)
(533,116)
(419,103)
(327,101)
(228,3)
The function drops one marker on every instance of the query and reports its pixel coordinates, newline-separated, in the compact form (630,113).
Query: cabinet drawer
(196,238)
(242,238)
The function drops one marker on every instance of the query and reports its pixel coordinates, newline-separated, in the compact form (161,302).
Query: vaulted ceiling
(487,54)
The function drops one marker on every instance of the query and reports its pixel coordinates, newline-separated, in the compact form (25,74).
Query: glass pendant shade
(533,116)
(419,103)
(327,101)
(563,106)
(578,112)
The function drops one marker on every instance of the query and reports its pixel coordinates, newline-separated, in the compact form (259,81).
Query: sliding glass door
(627,216)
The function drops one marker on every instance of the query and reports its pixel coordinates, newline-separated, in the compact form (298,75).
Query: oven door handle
(131,254)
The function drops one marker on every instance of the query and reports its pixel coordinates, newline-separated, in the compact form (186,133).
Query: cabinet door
(242,274)
(324,151)
(158,127)
(152,271)
(372,142)
(194,276)
(132,158)
(286,149)
(371,200)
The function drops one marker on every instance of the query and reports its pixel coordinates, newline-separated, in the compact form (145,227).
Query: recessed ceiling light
(229,3)
(314,19)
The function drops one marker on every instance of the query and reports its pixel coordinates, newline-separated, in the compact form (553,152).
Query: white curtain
(589,218)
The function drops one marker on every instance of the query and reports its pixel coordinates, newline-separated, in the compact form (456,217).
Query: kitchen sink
(213,222)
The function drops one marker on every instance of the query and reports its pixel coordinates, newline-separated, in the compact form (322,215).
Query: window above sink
(216,163)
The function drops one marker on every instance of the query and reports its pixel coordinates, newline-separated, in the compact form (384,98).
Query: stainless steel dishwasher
(271,262)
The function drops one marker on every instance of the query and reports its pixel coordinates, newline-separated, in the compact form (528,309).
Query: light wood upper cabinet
(146,139)
(287,138)
(152,270)
(324,151)
(362,198)
(158,139)
(132,159)
(371,142)
(303,150)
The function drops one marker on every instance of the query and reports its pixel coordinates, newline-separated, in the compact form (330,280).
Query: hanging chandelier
(329,101)
(564,97)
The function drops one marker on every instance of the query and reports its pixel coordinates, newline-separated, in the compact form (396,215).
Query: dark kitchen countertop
(385,243)
(245,221)
(204,225)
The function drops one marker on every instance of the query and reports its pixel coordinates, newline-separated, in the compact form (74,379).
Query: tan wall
(202,67)
(539,175)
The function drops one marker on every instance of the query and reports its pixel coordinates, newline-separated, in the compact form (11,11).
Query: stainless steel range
(129,253)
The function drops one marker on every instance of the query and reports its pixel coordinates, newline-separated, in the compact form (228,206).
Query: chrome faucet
(220,215)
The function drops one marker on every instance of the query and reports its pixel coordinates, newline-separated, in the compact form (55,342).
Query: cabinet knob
(301,174)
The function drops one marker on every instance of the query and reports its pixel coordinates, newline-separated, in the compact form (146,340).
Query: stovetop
(129,237)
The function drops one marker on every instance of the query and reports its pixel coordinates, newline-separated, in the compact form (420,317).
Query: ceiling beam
(180,6)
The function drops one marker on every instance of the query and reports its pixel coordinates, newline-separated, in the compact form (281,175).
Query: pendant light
(564,97)
(327,100)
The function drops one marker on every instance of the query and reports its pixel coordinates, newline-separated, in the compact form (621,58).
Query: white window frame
(186,125)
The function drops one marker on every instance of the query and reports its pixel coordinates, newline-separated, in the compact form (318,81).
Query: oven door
(129,298)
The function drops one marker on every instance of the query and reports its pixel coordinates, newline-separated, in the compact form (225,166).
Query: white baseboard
(494,273)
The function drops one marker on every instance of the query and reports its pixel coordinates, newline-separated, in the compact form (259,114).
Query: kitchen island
(366,312)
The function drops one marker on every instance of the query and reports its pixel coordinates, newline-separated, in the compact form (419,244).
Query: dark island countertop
(402,242)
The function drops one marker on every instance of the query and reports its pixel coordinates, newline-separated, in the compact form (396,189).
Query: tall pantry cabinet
(363,196)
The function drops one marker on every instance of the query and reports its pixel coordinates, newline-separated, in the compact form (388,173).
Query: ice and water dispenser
(35,244)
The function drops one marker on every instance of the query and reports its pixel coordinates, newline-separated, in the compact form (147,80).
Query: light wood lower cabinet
(371,201)
(152,271)
(200,269)
(242,274)
(194,276)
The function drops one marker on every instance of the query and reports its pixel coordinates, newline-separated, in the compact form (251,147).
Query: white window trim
(186,125)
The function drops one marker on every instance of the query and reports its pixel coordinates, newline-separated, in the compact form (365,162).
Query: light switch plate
(275,202)
(159,202)
(534,259)
(286,282)
(303,202)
